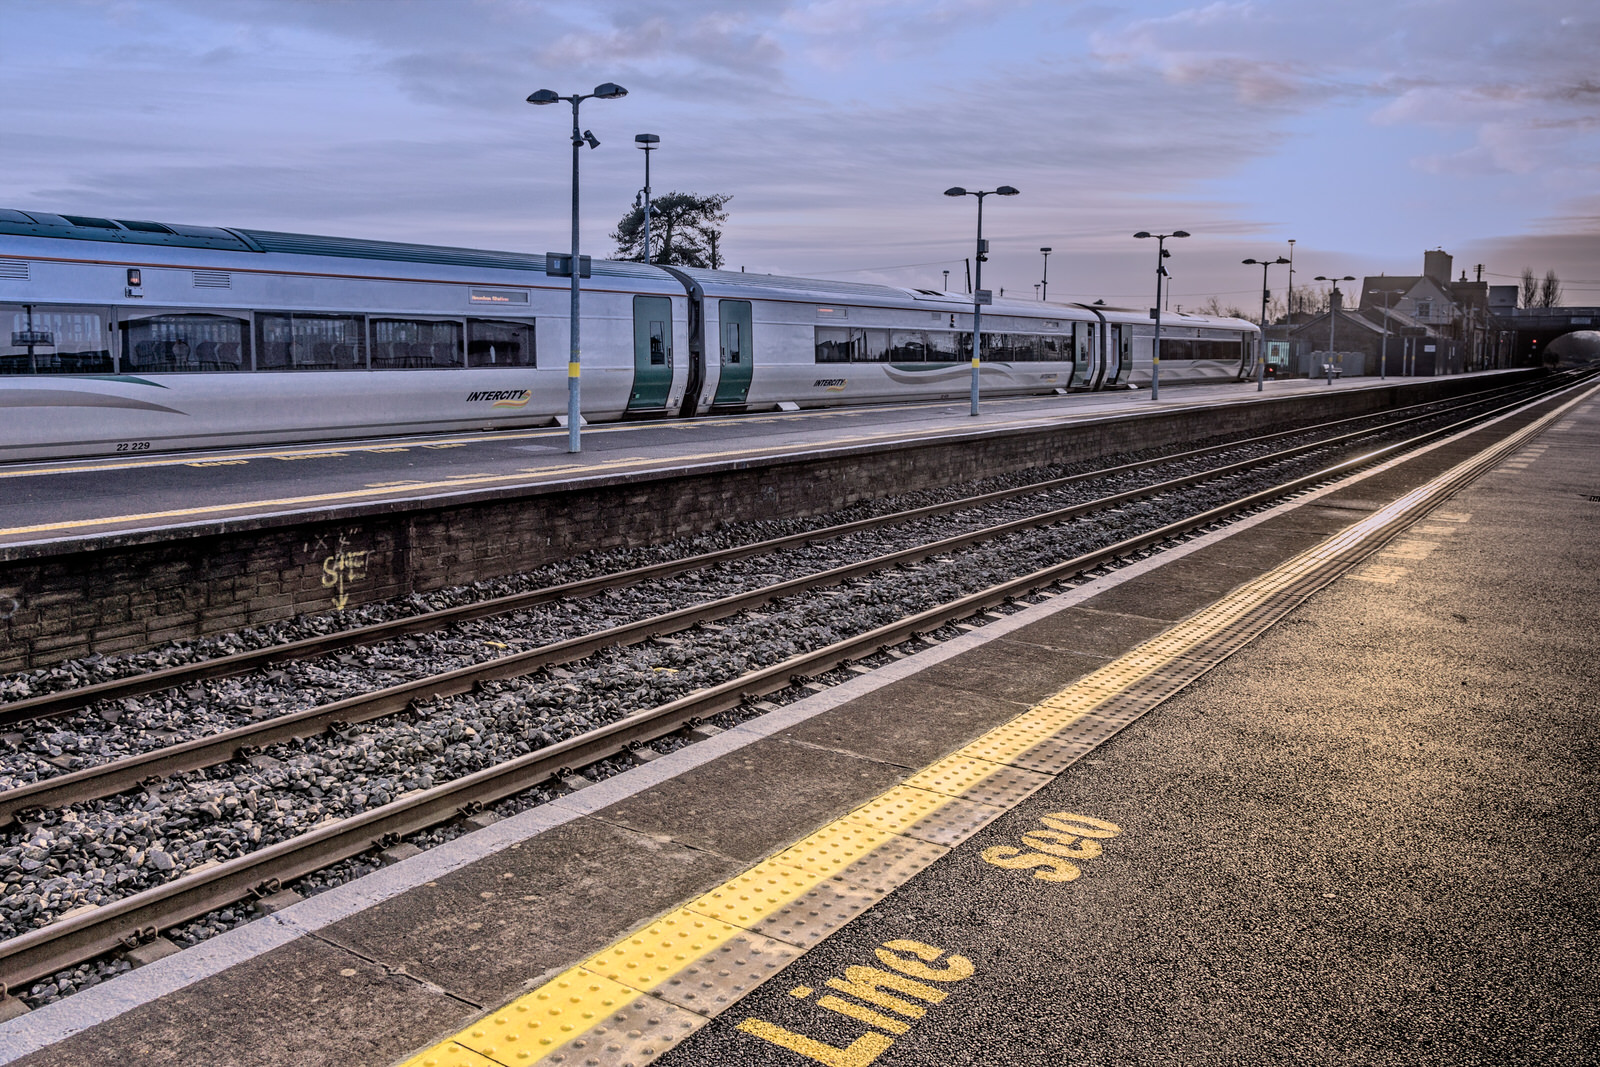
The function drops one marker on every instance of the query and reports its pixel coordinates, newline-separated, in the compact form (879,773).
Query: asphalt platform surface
(1368,838)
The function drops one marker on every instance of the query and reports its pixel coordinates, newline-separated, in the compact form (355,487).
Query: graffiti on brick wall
(342,567)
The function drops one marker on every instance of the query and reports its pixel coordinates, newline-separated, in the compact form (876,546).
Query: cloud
(834,124)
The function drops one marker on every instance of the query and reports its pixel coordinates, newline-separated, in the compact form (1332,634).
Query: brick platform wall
(138,592)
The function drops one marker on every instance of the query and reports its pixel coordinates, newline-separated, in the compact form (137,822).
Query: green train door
(738,357)
(652,352)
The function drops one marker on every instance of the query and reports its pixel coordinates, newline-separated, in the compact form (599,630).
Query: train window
(908,346)
(498,343)
(183,343)
(871,346)
(833,344)
(1014,347)
(310,342)
(945,347)
(55,340)
(658,343)
(412,343)
(927,346)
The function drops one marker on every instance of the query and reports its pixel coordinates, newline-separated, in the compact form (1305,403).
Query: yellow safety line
(543,1022)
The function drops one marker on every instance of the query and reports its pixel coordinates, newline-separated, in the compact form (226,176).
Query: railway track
(113,776)
(81,936)
(65,701)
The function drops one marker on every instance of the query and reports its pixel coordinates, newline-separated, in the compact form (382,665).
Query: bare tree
(1550,290)
(1276,309)
(1213,306)
(1530,288)
(1308,300)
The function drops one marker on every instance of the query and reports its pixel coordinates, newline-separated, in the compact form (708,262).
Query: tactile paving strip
(982,781)
(925,815)
(710,983)
(632,1036)
(861,855)
(558,1012)
(661,950)
(700,957)
(450,1054)
(784,902)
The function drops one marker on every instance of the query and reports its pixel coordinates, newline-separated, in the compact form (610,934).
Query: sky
(1365,131)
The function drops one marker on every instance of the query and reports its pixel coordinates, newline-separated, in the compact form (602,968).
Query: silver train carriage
(131,336)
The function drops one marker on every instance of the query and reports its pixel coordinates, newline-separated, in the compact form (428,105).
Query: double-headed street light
(607,91)
(1161,272)
(979,296)
(1045,280)
(1333,314)
(1261,358)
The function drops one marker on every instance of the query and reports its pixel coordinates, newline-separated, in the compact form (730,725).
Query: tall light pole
(1388,299)
(1261,359)
(649,142)
(1161,272)
(1045,280)
(606,91)
(1289,297)
(946,281)
(1333,314)
(979,297)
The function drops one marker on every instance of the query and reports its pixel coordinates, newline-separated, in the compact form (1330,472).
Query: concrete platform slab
(909,723)
(247,1019)
(483,932)
(1011,670)
(754,802)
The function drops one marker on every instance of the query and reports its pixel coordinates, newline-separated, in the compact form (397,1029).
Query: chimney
(1436,265)
(1336,299)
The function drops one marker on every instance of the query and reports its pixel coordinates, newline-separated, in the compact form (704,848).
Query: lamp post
(649,142)
(1161,272)
(606,91)
(1261,361)
(1289,296)
(946,282)
(1045,280)
(979,297)
(1388,300)
(1333,315)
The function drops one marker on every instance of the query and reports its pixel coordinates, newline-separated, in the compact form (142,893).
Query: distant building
(1362,338)
(1434,325)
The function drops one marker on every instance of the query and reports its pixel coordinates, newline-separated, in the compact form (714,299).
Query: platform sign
(1277,353)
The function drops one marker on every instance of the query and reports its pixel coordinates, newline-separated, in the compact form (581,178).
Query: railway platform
(58,505)
(107,556)
(1314,787)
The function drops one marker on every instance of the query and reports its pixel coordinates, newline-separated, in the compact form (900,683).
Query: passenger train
(121,336)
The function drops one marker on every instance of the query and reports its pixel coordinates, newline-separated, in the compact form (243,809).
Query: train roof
(234,239)
(715,282)
(787,287)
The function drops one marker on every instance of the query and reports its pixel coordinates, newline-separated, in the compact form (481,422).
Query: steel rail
(65,701)
(85,935)
(116,776)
